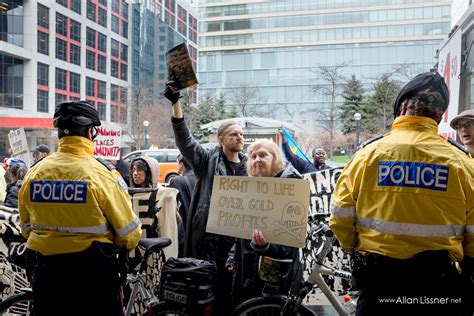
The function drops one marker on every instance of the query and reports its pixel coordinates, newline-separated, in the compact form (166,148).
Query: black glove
(171,95)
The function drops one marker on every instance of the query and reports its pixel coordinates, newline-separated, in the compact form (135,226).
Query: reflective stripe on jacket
(69,199)
(408,192)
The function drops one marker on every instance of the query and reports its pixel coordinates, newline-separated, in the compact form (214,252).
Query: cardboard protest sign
(321,185)
(276,206)
(107,142)
(19,145)
(180,68)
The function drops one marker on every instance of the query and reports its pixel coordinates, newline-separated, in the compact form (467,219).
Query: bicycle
(141,299)
(293,304)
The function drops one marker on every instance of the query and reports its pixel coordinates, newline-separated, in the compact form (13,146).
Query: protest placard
(276,206)
(19,145)
(107,142)
(180,68)
(322,184)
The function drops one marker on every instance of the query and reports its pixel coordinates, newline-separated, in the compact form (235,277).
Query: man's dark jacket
(303,166)
(206,163)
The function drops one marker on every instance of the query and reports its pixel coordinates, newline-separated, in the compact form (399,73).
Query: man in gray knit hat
(464,125)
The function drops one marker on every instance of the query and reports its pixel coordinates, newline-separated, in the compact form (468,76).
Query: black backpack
(188,282)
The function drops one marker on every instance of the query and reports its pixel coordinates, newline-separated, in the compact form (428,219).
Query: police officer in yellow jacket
(404,206)
(75,211)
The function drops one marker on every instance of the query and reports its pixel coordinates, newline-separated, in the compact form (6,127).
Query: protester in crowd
(74,211)
(123,167)
(464,125)
(264,160)
(185,184)
(40,151)
(3,184)
(17,172)
(144,173)
(405,206)
(224,160)
(300,164)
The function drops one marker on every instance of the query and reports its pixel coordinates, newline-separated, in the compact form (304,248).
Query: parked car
(166,158)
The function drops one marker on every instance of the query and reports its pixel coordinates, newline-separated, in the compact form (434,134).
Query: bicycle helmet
(428,80)
(73,114)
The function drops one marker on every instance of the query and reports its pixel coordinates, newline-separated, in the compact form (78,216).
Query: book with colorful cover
(180,68)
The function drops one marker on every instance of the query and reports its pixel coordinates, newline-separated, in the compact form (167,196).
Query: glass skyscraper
(275,47)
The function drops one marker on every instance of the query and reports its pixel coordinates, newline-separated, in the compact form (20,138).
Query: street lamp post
(357,118)
(145,125)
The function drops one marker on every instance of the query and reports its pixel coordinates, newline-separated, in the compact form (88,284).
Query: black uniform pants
(427,284)
(84,283)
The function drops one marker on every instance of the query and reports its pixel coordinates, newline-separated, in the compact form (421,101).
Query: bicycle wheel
(267,306)
(18,304)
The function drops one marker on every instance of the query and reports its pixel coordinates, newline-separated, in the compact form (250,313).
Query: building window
(43,43)
(42,101)
(124,52)
(124,9)
(61,79)
(101,64)
(43,16)
(91,10)
(76,6)
(101,108)
(74,82)
(124,29)
(115,6)
(114,68)
(114,48)
(123,96)
(123,115)
(103,2)
(90,87)
(113,93)
(101,89)
(102,43)
(114,115)
(75,52)
(11,82)
(75,31)
(61,24)
(90,60)
(115,24)
(102,17)
(61,49)
(43,74)
(90,37)
(60,98)
(62,2)
(124,72)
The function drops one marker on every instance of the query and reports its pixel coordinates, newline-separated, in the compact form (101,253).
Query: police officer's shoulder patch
(458,146)
(370,141)
(105,163)
(36,162)
(121,183)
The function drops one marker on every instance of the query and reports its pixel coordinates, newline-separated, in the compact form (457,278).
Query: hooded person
(159,216)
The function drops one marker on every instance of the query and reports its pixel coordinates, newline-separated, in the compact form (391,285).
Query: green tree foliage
(353,95)
(377,113)
(208,110)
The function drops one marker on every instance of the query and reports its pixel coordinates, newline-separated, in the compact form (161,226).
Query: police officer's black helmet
(428,80)
(73,114)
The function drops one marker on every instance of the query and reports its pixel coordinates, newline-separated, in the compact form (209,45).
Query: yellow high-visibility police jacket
(69,199)
(408,192)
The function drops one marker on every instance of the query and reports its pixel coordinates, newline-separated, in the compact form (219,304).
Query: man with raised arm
(74,211)
(223,160)
(404,206)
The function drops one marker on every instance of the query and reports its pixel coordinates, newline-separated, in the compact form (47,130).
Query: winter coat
(206,163)
(247,283)
(11,199)
(303,166)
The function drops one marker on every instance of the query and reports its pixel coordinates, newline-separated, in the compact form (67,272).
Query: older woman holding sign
(257,264)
